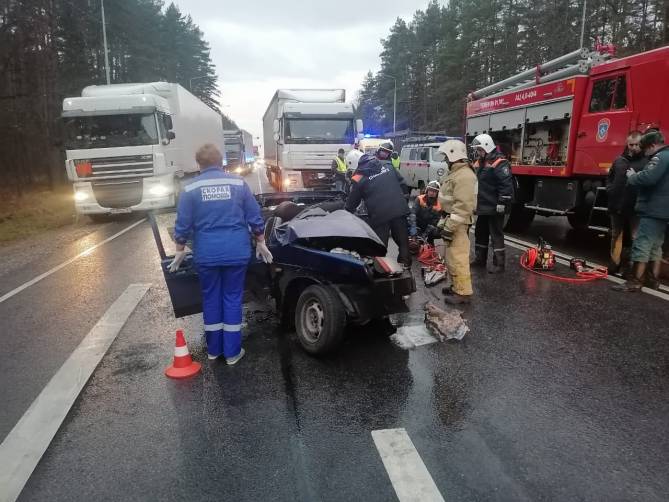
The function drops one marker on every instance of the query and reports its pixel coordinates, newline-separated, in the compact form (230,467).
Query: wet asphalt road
(559,392)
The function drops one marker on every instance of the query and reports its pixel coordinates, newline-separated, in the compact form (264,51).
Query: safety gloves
(501,208)
(447,236)
(262,251)
(178,258)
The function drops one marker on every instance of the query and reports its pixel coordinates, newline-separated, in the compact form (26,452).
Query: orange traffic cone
(183,365)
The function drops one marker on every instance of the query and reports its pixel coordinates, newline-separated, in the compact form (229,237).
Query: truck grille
(312,160)
(311,179)
(129,165)
(118,194)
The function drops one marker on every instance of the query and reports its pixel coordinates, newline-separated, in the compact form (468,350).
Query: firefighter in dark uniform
(385,153)
(384,191)
(495,195)
(426,213)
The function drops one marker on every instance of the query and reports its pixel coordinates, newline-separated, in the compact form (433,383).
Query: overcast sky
(261,46)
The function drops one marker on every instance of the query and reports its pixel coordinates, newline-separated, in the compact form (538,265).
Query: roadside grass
(34,212)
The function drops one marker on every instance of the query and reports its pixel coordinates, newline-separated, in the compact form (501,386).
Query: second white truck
(303,129)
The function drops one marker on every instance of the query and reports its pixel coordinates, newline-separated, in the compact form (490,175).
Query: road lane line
(410,478)
(259,182)
(24,446)
(564,259)
(55,269)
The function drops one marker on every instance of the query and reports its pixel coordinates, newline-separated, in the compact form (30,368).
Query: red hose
(429,257)
(581,277)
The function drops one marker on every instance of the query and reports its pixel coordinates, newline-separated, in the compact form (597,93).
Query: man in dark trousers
(383,190)
(652,206)
(621,199)
(339,170)
(495,195)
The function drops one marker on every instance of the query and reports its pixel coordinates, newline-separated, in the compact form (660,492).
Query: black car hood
(318,228)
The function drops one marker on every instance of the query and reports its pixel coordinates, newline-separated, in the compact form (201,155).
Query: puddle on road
(427,326)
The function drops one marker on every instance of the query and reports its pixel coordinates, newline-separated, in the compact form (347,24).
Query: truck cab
(303,130)
(128,144)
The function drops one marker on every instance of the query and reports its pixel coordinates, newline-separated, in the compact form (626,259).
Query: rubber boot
(652,278)
(634,284)
(480,257)
(456,299)
(498,262)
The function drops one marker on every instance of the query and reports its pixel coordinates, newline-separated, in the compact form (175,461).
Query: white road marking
(55,269)
(410,478)
(24,446)
(259,181)
(564,259)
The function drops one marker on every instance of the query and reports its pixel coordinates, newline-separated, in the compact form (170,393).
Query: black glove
(447,236)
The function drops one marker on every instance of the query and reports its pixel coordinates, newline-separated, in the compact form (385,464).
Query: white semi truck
(239,151)
(302,131)
(129,144)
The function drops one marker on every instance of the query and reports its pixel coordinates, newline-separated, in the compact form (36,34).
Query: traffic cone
(183,366)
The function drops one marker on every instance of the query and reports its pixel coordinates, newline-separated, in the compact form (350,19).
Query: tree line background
(50,49)
(447,51)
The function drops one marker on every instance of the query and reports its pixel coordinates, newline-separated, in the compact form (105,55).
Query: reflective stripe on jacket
(217,209)
(458,195)
(495,184)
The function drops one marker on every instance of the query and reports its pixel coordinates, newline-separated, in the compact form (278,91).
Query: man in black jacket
(494,198)
(621,200)
(383,189)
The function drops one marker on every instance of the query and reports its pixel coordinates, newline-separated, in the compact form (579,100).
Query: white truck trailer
(129,144)
(302,131)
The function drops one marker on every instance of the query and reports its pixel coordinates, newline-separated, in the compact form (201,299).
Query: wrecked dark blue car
(327,271)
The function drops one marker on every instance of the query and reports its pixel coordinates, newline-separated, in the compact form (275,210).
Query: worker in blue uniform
(217,209)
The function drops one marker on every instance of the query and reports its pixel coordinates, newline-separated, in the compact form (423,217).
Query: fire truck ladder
(577,62)
(599,219)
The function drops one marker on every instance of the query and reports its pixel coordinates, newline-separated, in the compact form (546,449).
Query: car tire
(320,319)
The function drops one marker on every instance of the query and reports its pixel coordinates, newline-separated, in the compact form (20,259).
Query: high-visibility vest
(422,202)
(341,165)
(396,162)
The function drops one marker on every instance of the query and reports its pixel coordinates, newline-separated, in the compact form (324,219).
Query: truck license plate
(120,210)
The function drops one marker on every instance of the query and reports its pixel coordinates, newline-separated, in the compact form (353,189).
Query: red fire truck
(563,123)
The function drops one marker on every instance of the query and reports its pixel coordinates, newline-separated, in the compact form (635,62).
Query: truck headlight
(159,190)
(238,170)
(80,196)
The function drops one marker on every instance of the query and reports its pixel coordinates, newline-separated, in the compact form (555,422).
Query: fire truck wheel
(578,219)
(519,219)
(320,319)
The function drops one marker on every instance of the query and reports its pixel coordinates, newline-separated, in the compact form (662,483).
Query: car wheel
(320,319)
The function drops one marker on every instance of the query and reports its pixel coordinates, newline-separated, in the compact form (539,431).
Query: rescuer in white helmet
(457,197)
(494,198)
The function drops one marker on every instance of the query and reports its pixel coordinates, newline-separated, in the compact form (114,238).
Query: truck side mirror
(276,137)
(276,128)
(168,122)
(358,126)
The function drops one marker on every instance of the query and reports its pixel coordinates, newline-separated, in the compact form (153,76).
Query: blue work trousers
(222,296)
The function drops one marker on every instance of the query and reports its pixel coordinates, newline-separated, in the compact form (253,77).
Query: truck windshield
(108,131)
(319,131)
